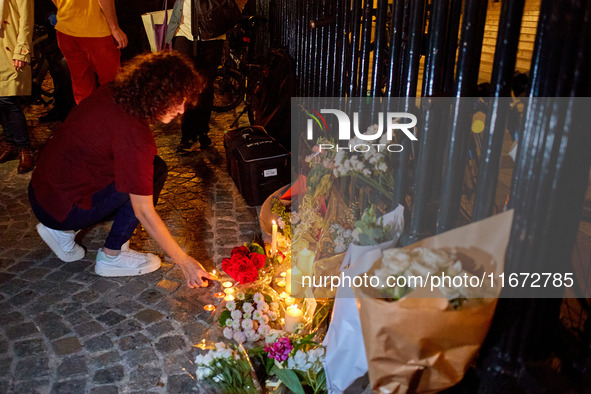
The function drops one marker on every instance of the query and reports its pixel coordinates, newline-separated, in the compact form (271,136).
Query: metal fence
(359,48)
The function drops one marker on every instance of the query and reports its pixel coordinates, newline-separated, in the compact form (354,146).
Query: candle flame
(274,222)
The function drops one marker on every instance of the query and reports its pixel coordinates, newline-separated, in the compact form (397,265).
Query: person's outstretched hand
(120,37)
(194,272)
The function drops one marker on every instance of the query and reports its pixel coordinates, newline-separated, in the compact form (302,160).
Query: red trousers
(89,59)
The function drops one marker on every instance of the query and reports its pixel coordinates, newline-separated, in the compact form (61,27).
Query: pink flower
(280,349)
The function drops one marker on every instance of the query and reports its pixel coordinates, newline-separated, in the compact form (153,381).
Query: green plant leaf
(289,378)
(321,381)
(255,248)
(225,315)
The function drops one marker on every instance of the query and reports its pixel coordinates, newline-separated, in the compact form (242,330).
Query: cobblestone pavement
(63,329)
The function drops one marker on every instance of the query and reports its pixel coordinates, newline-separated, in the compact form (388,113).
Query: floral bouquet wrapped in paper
(421,331)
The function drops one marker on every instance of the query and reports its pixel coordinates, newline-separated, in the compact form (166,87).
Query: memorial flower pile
(244,263)
(249,317)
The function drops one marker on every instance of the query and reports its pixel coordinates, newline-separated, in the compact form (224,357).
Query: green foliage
(289,378)
(371,231)
(225,315)
(260,354)
(322,313)
(255,248)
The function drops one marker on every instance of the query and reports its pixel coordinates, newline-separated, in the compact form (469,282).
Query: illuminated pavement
(64,329)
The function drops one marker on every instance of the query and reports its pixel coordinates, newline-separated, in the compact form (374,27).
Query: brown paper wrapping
(419,344)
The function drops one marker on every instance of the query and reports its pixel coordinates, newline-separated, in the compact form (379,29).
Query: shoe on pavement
(7,152)
(25,161)
(204,141)
(61,243)
(184,147)
(126,263)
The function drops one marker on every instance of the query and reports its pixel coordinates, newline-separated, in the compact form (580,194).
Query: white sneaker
(125,246)
(127,263)
(61,243)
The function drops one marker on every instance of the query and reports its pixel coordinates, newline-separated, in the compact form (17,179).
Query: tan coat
(15,44)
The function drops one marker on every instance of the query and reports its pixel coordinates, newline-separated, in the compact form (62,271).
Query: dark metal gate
(355,48)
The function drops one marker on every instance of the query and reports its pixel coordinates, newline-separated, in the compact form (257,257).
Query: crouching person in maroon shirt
(102,164)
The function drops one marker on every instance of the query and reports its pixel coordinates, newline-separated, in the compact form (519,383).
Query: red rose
(258,259)
(241,262)
(226,265)
(241,250)
(247,275)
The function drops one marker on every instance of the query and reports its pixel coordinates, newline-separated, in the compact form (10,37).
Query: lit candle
(288,281)
(221,294)
(214,272)
(305,261)
(274,239)
(293,281)
(227,284)
(293,316)
(229,290)
(284,295)
(209,307)
(289,300)
(229,297)
(283,274)
(281,283)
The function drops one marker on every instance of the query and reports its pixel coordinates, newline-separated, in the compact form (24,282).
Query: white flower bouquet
(249,318)
(226,369)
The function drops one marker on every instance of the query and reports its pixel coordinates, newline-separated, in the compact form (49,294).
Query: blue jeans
(14,122)
(107,204)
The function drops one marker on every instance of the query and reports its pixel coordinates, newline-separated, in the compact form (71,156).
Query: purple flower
(280,349)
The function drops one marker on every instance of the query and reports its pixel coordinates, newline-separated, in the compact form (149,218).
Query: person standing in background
(90,39)
(16,35)
(206,56)
(63,97)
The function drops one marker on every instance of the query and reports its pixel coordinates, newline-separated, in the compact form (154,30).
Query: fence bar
(467,76)
(413,54)
(453,25)
(315,49)
(339,47)
(355,36)
(423,215)
(396,55)
(435,57)
(503,68)
(380,48)
(414,18)
(365,50)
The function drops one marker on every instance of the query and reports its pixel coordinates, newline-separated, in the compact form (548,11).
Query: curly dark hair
(149,84)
